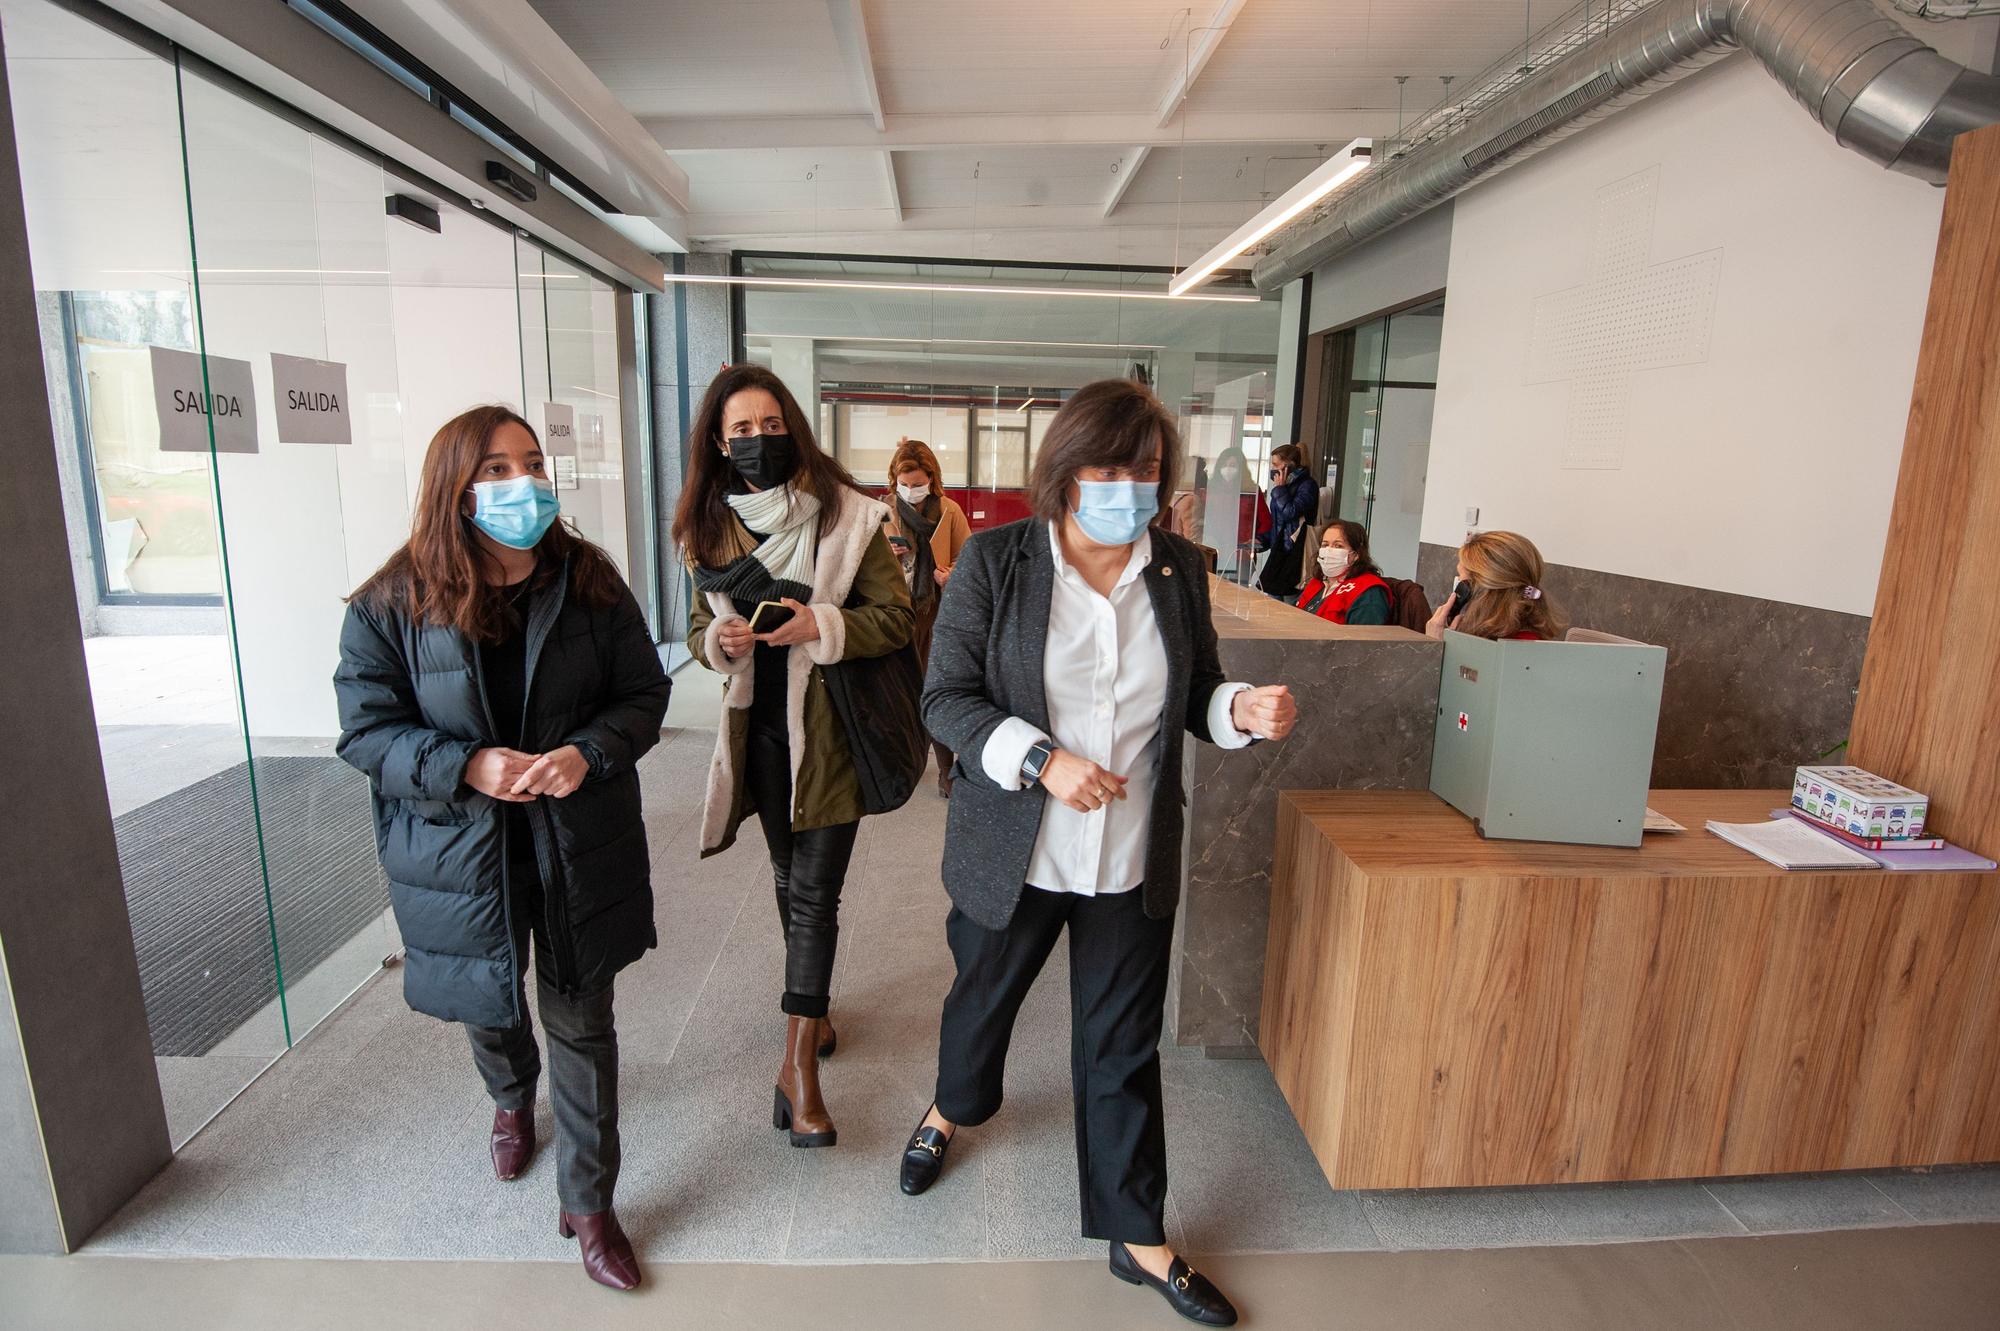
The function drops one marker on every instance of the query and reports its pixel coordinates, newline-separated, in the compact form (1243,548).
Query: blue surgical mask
(516,512)
(1116,512)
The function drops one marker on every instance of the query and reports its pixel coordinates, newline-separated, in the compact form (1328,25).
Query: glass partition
(978,375)
(247,359)
(1383,400)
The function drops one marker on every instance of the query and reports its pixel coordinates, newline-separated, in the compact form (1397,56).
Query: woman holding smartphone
(497,684)
(1073,658)
(795,576)
(1498,592)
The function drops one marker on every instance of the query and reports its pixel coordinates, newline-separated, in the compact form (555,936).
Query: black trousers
(1280,577)
(809,868)
(1117,991)
(583,1062)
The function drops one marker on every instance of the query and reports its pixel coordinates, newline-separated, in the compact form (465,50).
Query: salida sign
(312,400)
(187,402)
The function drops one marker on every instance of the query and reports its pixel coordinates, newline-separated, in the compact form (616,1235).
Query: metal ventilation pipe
(1876,88)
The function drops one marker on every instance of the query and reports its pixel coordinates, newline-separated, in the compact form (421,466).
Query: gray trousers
(583,1065)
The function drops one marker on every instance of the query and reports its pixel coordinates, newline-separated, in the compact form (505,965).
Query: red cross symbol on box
(1464,721)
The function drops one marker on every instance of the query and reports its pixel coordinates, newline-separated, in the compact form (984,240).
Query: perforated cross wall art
(1629,315)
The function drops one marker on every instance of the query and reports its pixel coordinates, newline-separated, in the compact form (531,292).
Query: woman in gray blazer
(1072,653)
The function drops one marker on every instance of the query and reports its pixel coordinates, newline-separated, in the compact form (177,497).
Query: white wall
(1406,263)
(1765,464)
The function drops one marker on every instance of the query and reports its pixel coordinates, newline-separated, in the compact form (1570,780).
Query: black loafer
(923,1158)
(1186,1290)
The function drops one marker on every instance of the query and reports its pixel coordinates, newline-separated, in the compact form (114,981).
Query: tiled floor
(1940,1279)
(367,1141)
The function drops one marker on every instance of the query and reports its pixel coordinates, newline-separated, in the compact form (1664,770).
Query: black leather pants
(809,868)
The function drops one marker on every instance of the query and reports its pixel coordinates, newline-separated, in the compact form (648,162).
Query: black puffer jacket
(413,710)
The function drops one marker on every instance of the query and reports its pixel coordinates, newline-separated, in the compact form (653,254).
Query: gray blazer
(986,665)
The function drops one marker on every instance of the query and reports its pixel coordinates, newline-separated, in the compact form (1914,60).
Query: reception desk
(1445,1011)
(1367,704)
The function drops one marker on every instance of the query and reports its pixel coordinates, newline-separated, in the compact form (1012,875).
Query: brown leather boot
(513,1142)
(829,1038)
(796,1106)
(607,1253)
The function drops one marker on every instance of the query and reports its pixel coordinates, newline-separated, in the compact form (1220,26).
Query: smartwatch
(1036,762)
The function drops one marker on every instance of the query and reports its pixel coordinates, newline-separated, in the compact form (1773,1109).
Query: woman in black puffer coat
(497,684)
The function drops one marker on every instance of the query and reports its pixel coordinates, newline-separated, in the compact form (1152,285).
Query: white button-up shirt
(1105,674)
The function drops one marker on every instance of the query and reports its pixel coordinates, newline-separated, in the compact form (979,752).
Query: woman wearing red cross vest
(1349,588)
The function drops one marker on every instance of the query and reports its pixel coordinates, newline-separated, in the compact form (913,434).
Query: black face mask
(767,461)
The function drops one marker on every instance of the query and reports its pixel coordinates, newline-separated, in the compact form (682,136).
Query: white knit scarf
(789,518)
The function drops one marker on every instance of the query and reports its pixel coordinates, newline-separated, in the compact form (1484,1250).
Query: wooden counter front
(1446,1011)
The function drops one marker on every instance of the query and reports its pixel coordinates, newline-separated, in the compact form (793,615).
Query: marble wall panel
(1753,688)
(1366,715)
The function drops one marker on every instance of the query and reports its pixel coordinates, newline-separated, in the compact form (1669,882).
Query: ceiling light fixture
(837,340)
(1329,176)
(955,288)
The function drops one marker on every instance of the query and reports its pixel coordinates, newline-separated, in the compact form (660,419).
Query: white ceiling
(969,128)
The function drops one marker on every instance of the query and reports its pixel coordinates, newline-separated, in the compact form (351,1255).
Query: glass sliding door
(247,358)
(296,310)
(97,124)
(1382,383)
(569,352)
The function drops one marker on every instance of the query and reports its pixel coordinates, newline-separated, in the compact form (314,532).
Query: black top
(505,665)
(411,715)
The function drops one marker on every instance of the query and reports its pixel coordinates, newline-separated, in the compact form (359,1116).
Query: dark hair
(704,526)
(1111,423)
(1356,537)
(438,575)
(1289,454)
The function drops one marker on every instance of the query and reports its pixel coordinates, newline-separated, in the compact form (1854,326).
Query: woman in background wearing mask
(778,532)
(497,684)
(1072,658)
(1294,501)
(1499,592)
(1349,588)
(927,530)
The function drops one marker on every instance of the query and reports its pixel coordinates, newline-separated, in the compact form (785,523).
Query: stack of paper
(1790,844)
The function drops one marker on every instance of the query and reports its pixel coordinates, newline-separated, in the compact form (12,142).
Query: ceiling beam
(1128,170)
(1213,218)
(1205,41)
(1204,45)
(850,28)
(918,133)
(889,178)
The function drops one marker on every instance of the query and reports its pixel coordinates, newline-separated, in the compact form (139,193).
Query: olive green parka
(862,609)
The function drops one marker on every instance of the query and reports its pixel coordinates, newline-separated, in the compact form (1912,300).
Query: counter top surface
(1245,612)
(1413,832)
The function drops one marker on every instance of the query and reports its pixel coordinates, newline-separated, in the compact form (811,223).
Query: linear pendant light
(1323,180)
(954,288)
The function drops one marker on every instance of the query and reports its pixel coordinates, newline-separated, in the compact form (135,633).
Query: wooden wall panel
(1928,711)
(1693,1014)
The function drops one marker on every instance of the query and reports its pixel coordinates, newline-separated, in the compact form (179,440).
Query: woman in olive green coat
(771,523)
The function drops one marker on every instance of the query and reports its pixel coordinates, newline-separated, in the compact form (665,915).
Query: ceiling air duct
(1876,88)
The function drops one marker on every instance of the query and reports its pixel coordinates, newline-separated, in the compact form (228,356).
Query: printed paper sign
(559,443)
(312,401)
(186,404)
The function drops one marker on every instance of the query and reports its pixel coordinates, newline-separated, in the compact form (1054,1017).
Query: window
(867,433)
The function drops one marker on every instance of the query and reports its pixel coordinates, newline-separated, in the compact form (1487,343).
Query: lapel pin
(1167,571)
